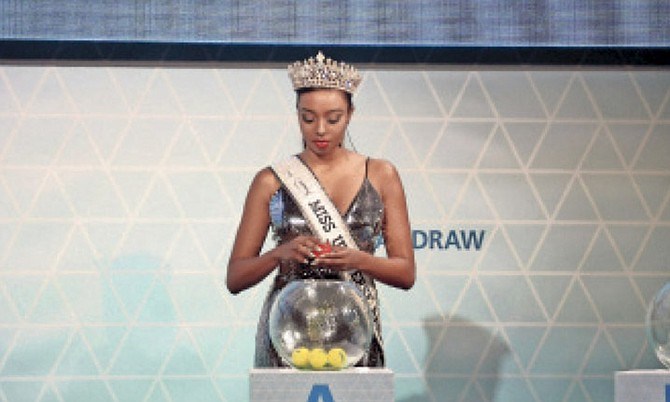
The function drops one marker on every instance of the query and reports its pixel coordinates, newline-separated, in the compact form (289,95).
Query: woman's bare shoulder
(381,169)
(265,182)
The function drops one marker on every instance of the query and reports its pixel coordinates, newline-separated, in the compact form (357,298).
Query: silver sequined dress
(364,219)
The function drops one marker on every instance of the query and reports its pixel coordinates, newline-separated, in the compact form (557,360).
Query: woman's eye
(307,119)
(334,120)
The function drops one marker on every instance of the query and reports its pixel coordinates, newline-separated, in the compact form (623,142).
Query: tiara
(320,72)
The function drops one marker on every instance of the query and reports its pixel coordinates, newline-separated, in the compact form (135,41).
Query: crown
(320,72)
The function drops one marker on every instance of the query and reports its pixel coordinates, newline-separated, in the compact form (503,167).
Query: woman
(366,192)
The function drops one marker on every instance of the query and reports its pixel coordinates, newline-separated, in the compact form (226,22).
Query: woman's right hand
(299,249)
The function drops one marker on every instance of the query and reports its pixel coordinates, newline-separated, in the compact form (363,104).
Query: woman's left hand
(342,258)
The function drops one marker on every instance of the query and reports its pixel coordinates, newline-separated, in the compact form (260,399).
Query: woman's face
(324,115)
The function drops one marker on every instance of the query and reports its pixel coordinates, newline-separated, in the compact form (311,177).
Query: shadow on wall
(462,363)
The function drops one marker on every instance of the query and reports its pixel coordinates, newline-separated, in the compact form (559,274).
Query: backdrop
(538,200)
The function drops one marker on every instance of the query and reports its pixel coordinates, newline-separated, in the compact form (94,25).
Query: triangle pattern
(576,206)
(576,306)
(628,239)
(551,188)
(159,98)
(131,390)
(187,150)
(628,342)
(654,152)
(211,136)
(512,299)
(77,359)
(93,91)
(525,138)
(551,289)
(629,308)
(576,104)
(8,100)
(628,137)
(654,190)
(158,306)
(103,342)
(50,201)
(24,83)
(654,87)
(447,85)
(615,85)
(409,143)
(273,101)
(525,239)
(24,186)
(624,206)
(602,257)
(499,85)
(51,96)
(201,93)
(472,102)
(403,361)
(78,150)
(552,87)
(499,255)
(564,145)
(499,154)
(523,342)
(185,358)
(23,292)
(100,200)
(408,95)
(551,389)
(105,133)
(511,196)
(50,306)
(602,357)
(473,305)
(472,204)
(28,391)
(603,155)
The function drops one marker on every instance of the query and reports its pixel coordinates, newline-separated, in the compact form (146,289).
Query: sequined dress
(364,219)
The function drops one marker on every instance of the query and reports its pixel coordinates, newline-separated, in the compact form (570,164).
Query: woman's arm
(398,268)
(246,266)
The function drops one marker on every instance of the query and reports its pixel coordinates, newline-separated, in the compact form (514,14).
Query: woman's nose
(321,127)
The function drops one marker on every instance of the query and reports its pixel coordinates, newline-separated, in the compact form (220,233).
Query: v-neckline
(353,200)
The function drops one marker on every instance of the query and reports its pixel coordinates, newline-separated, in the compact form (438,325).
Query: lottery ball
(337,358)
(300,357)
(317,358)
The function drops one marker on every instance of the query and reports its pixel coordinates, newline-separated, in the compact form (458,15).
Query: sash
(325,221)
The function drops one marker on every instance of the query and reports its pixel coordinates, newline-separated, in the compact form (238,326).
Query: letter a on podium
(320,393)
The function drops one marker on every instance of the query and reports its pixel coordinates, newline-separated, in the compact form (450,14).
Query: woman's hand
(301,249)
(342,258)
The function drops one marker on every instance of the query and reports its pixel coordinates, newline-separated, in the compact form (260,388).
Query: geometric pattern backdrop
(539,200)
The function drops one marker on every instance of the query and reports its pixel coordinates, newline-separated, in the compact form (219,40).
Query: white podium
(642,386)
(349,385)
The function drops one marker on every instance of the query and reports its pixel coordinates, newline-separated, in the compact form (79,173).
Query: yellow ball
(337,358)
(300,357)
(317,358)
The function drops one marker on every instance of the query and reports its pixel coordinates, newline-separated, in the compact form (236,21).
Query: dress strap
(367,161)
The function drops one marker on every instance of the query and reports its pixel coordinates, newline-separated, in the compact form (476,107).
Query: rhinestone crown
(320,72)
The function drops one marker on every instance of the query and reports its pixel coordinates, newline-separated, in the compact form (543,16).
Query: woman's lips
(321,144)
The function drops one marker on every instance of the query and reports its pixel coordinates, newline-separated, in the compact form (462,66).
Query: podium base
(642,386)
(291,385)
